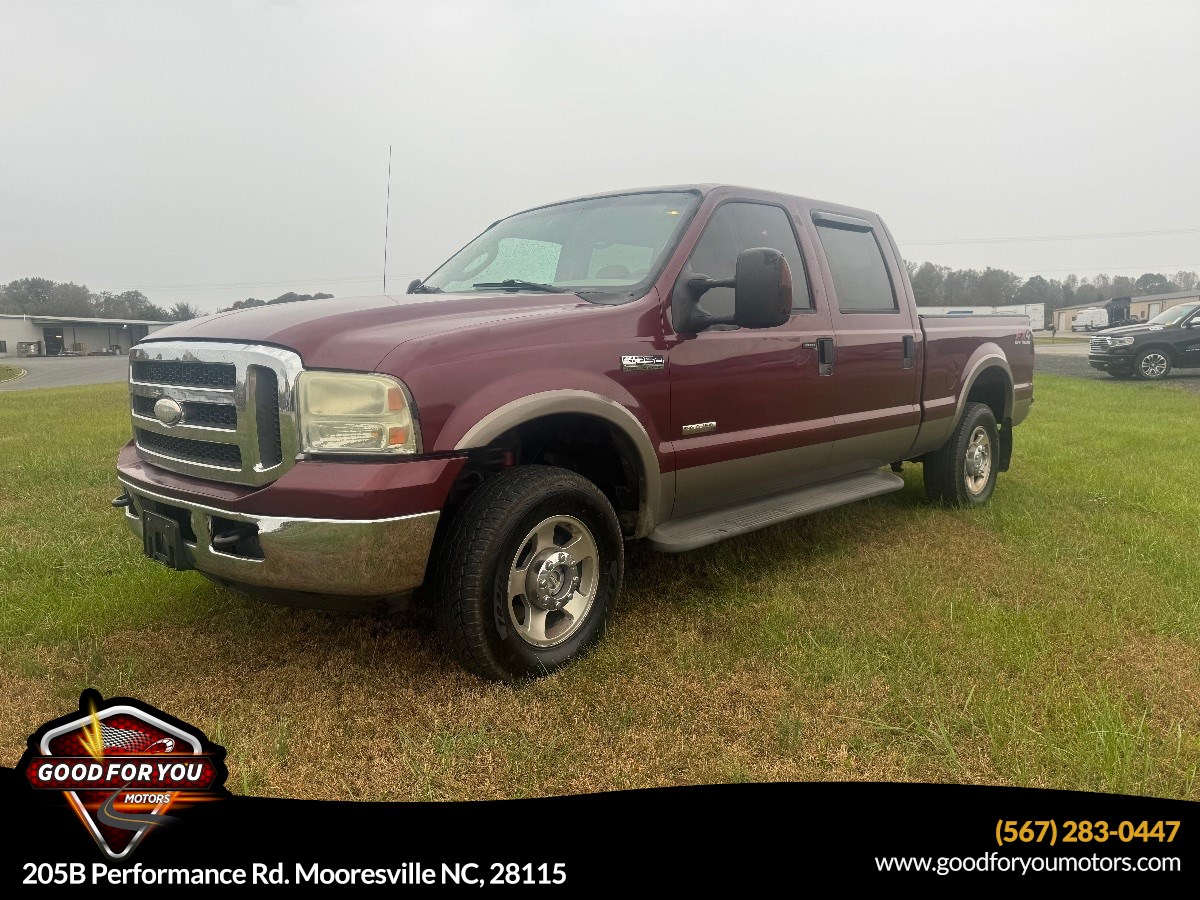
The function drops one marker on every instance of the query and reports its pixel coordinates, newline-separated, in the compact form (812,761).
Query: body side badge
(642,363)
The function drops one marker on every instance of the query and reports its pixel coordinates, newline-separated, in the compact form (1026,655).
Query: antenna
(387,214)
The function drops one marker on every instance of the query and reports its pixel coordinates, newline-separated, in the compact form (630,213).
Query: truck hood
(1130,330)
(358,332)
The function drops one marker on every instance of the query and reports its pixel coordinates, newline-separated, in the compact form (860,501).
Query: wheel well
(1165,348)
(993,389)
(588,445)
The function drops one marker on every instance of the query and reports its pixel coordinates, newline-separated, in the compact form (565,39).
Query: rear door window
(860,275)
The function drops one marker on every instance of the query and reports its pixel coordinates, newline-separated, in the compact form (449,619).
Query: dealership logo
(122,765)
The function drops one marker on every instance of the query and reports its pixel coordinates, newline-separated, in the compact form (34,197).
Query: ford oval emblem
(168,411)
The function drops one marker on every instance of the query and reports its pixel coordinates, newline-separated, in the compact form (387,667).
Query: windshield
(607,246)
(1175,314)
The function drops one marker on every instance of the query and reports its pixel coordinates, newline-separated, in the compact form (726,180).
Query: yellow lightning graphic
(92,739)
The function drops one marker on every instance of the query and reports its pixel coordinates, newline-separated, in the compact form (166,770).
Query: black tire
(946,471)
(1152,364)
(481,548)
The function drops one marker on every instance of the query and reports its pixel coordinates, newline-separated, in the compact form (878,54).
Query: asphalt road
(65,371)
(1071,359)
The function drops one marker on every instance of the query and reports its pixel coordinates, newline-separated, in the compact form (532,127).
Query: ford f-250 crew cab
(681,365)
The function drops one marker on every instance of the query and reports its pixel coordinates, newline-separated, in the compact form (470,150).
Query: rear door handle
(910,351)
(825,356)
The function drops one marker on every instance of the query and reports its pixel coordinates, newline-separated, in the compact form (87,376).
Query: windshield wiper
(516,284)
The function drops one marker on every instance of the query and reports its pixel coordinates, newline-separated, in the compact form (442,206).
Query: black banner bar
(670,838)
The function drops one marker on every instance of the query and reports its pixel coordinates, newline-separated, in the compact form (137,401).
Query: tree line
(936,285)
(43,297)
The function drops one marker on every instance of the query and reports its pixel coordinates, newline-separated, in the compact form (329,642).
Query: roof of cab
(704,189)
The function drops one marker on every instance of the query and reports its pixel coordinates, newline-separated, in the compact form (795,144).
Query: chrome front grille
(207,453)
(211,415)
(237,405)
(221,376)
(1100,345)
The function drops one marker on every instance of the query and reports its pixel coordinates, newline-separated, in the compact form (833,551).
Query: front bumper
(367,558)
(1111,362)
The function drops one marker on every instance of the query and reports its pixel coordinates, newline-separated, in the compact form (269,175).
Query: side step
(707,528)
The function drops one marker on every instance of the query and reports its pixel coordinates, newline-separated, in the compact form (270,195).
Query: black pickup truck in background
(1152,349)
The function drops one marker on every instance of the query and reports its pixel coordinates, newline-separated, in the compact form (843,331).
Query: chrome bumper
(344,557)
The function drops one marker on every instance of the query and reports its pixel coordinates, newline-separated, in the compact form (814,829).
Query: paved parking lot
(65,371)
(1071,359)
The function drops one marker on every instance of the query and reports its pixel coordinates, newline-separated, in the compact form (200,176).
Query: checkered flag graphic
(128,739)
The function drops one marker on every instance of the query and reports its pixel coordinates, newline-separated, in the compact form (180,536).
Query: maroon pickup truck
(680,364)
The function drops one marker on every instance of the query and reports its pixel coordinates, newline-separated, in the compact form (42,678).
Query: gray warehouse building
(56,335)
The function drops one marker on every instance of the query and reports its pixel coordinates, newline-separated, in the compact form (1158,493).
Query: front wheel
(1152,365)
(963,471)
(528,572)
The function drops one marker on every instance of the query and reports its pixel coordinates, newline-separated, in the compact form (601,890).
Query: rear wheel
(963,471)
(528,572)
(1152,365)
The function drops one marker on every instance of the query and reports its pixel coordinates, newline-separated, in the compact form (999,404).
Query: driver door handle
(825,356)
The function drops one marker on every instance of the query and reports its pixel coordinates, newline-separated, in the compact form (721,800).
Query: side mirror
(762,286)
(762,289)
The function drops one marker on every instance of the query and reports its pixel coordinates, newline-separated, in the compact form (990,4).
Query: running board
(707,528)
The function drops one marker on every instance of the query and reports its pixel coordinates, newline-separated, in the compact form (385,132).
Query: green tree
(248,303)
(929,284)
(1154,283)
(1124,286)
(1087,294)
(1186,281)
(960,287)
(1038,290)
(41,296)
(129,305)
(182,312)
(996,287)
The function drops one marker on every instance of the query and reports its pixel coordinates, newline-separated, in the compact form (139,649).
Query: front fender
(466,430)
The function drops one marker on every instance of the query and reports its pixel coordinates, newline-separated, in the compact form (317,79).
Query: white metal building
(1145,307)
(53,335)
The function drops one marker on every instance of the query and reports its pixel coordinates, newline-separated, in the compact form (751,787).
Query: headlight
(343,412)
(1120,341)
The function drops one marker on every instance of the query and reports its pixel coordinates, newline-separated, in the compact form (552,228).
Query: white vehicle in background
(1091,319)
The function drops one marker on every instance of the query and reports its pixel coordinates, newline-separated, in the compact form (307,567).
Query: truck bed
(954,346)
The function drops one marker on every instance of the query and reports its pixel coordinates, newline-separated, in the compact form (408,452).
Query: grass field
(1051,639)
(7,373)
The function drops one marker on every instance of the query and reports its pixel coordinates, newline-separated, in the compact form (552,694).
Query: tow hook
(121,502)
(227,540)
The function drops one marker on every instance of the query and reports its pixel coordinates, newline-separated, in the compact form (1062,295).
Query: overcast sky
(208,151)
